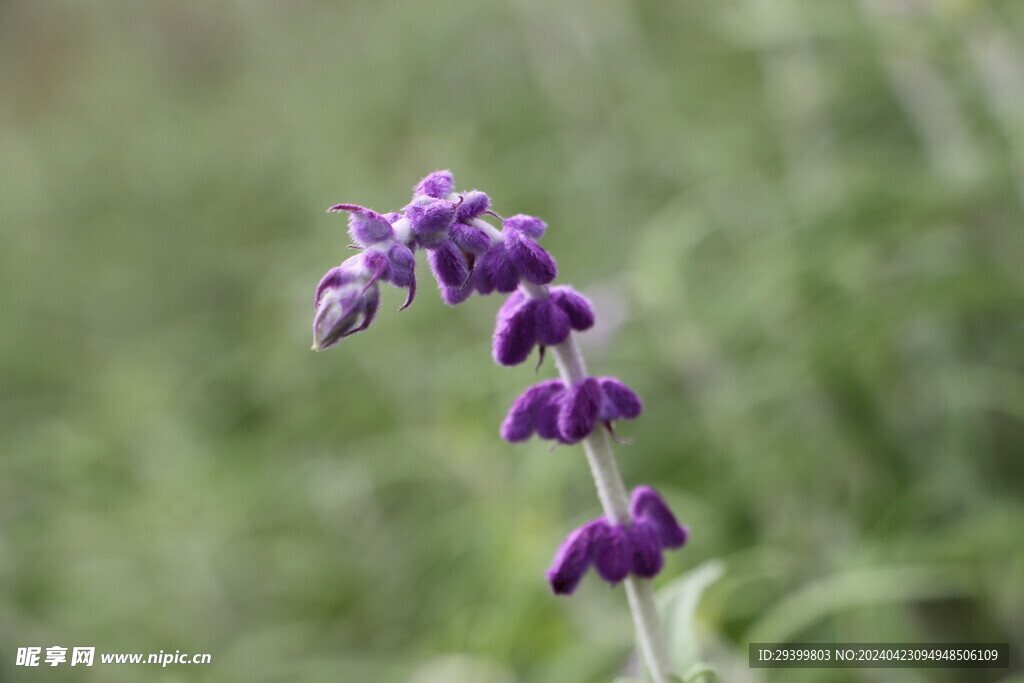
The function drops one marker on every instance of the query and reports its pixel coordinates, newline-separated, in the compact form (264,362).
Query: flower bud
(345,304)
(430,220)
(473,204)
(438,184)
(470,239)
(365,226)
(530,226)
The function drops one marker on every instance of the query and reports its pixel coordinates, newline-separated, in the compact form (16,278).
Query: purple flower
(473,204)
(515,333)
(551,322)
(528,225)
(579,410)
(470,239)
(449,265)
(573,559)
(496,271)
(530,259)
(616,550)
(365,226)
(346,303)
(648,507)
(575,305)
(438,185)
(613,553)
(522,419)
(647,557)
(552,411)
(430,220)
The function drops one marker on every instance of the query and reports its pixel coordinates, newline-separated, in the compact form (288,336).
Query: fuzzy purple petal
(438,184)
(572,560)
(613,553)
(403,265)
(453,296)
(647,557)
(531,260)
(530,226)
(648,507)
(575,305)
(448,265)
(473,204)
(334,278)
(552,323)
(430,221)
(515,332)
(627,404)
(365,226)
(545,415)
(579,410)
(470,239)
(497,271)
(519,423)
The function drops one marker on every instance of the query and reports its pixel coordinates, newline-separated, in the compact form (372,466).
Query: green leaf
(678,603)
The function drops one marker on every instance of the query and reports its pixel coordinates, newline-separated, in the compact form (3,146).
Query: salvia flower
(346,301)
(616,550)
(466,253)
(523,323)
(567,415)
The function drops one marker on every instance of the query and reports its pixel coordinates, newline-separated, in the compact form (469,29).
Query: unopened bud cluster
(467,254)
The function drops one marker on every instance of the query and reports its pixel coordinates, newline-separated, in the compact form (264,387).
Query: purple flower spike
(647,557)
(620,402)
(575,305)
(515,332)
(430,220)
(647,507)
(552,323)
(613,553)
(449,265)
(344,307)
(579,410)
(496,272)
(528,225)
(573,559)
(530,259)
(473,204)
(520,423)
(470,239)
(365,226)
(438,184)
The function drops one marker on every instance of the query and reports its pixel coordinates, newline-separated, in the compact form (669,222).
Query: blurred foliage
(801,223)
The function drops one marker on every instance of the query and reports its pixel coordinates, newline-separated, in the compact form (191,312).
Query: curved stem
(612,492)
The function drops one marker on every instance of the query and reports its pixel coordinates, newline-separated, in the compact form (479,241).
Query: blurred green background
(800,221)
